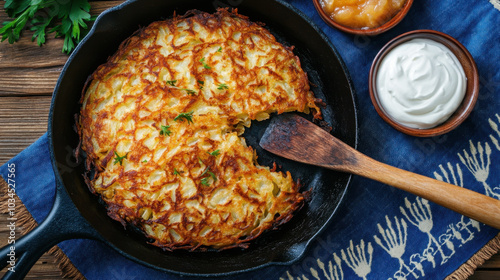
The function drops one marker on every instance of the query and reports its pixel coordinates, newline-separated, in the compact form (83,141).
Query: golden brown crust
(160,125)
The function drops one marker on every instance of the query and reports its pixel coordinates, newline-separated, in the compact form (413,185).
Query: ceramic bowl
(369,31)
(471,73)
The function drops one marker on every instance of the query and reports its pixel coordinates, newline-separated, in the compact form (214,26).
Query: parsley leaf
(119,159)
(171,82)
(202,60)
(67,19)
(189,91)
(214,153)
(212,175)
(222,86)
(205,171)
(204,181)
(39,27)
(14,7)
(164,130)
(176,172)
(187,116)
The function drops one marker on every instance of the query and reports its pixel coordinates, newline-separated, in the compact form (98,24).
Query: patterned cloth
(379,232)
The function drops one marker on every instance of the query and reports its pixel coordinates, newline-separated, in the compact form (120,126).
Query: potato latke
(160,125)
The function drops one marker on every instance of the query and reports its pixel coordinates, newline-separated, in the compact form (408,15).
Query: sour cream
(420,83)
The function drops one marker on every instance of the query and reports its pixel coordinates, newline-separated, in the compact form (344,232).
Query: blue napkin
(379,232)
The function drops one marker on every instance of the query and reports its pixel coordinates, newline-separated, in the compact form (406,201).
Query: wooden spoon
(296,138)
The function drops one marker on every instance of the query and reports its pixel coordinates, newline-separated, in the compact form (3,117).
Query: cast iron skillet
(77,213)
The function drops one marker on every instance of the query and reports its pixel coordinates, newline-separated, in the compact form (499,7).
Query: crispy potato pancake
(160,125)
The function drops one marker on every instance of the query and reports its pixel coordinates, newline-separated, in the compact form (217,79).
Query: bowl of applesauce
(363,17)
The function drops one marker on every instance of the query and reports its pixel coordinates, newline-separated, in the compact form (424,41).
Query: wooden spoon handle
(295,138)
(474,205)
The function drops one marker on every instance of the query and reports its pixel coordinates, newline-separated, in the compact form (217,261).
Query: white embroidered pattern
(392,236)
(355,258)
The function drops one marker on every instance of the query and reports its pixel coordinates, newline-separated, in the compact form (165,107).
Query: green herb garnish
(202,60)
(176,172)
(165,130)
(119,159)
(222,86)
(189,91)
(214,153)
(187,116)
(212,175)
(219,49)
(205,171)
(67,19)
(204,181)
(171,82)
(201,83)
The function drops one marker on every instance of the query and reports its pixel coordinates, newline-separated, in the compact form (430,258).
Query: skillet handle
(62,223)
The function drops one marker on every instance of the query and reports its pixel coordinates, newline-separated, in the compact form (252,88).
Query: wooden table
(28,74)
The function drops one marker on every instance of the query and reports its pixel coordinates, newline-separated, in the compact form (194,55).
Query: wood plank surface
(485,275)
(22,121)
(28,81)
(28,74)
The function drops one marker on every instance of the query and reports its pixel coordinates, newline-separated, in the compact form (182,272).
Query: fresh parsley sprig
(187,116)
(67,19)
(171,82)
(189,91)
(204,181)
(119,159)
(205,65)
(214,153)
(212,175)
(165,130)
(222,87)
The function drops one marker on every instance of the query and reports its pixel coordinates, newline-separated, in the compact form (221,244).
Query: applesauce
(361,14)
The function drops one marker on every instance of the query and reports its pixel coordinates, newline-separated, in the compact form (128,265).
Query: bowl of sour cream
(424,83)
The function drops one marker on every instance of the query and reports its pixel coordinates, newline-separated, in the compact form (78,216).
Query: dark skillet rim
(59,180)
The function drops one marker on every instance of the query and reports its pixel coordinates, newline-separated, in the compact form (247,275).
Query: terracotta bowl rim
(368,32)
